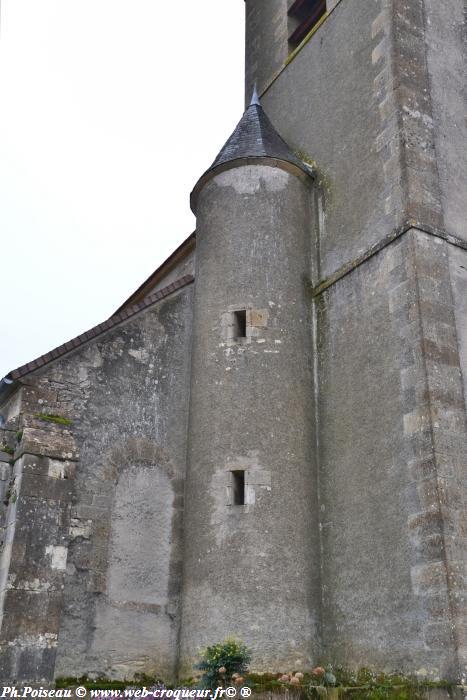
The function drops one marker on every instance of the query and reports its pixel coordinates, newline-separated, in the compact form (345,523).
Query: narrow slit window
(238,488)
(303,16)
(239,323)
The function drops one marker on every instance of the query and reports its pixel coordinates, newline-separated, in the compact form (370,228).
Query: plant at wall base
(323,676)
(368,684)
(224,663)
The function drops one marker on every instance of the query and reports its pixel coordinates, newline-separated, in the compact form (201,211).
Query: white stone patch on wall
(80,528)
(93,357)
(36,585)
(37,641)
(142,355)
(252,178)
(59,469)
(56,469)
(58,555)
(415,422)
(250,495)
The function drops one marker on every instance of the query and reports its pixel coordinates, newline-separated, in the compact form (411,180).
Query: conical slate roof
(254,137)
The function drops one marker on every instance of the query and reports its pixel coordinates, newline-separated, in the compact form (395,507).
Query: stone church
(268,438)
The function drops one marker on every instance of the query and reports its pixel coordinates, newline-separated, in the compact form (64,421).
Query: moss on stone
(59,420)
(305,158)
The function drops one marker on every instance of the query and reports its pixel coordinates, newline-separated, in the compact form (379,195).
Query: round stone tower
(251,536)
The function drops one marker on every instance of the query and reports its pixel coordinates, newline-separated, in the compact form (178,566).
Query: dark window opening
(238,488)
(239,318)
(303,15)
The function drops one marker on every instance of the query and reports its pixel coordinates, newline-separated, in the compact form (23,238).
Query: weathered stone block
(58,443)
(48,488)
(36,665)
(32,614)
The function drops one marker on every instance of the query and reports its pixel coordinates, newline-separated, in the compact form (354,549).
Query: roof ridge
(99,329)
(263,123)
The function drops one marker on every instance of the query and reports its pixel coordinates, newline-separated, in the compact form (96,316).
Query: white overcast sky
(109,112)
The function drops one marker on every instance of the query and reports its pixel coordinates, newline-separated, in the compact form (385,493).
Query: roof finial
(255,97)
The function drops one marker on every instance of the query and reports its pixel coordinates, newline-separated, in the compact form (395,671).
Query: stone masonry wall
(392,456)
(446,46)
(376,99)
(37,509)
(93,583)
(334,102)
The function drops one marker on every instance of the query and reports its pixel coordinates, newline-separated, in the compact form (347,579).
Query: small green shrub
(6,448)
(221,662)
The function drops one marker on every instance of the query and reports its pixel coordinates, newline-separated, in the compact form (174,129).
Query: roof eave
(10,381)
